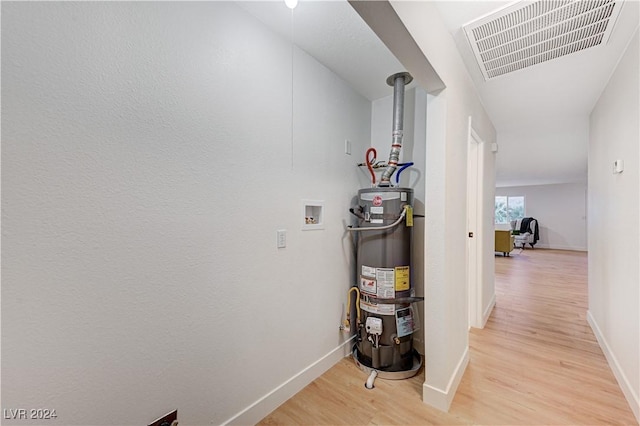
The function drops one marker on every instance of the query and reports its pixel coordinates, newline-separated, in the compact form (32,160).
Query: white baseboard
(627,390)
(265,405)
(441,399)
(556,247)
(487,312)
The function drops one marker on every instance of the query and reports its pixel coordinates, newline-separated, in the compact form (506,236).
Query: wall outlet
(169,419)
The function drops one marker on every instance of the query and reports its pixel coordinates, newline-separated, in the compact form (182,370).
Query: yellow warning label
(402,278)
(409,215)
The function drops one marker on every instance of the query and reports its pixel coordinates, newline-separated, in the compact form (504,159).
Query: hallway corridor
(536,362)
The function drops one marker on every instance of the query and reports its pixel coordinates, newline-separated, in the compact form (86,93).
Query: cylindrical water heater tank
(384,340)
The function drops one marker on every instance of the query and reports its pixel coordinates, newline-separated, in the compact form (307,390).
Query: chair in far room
(525,231)
(504,242)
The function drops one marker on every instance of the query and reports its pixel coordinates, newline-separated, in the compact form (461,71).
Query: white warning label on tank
(385,278)
(367,285)
(404,322)
(377,308)
(368,271)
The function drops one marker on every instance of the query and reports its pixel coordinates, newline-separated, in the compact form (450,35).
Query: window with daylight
(508,209)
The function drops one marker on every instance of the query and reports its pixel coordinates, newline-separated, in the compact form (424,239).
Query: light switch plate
(282,238)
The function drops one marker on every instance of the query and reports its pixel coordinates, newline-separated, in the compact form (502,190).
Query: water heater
(384,290)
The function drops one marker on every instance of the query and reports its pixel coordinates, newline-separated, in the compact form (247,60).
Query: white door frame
(475,195)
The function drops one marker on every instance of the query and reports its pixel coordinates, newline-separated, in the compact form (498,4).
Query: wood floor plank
(536,362)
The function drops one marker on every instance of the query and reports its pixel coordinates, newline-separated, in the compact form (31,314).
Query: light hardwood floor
(536,362)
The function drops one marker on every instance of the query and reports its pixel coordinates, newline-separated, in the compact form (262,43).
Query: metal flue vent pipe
(398,81)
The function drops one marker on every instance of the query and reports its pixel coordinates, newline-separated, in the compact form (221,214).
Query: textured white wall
(415,178)
(614,235)
(556,153)
(560,210)
(488,210)
(147,163)
(448,112)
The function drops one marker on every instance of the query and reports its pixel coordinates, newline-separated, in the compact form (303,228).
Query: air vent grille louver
(531,33)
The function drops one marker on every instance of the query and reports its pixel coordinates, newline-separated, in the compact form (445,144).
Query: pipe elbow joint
(372,377)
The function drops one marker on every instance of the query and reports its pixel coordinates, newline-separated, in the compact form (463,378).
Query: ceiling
(540,113)
(334,34)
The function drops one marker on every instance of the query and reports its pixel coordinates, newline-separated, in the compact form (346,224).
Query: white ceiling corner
(334,34)
(542,108)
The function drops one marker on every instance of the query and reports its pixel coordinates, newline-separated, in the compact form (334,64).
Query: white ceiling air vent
(528,33)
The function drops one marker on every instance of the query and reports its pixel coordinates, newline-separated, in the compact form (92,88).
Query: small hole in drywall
(313,214)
